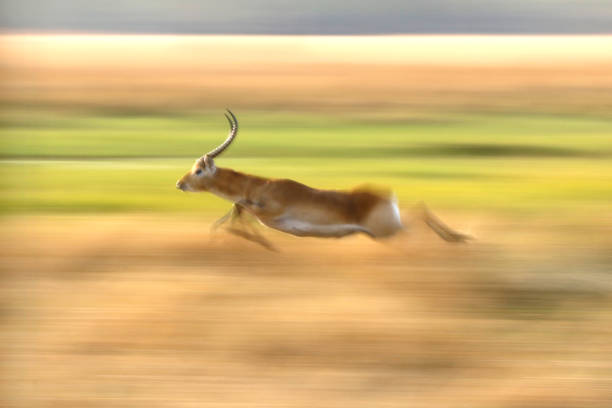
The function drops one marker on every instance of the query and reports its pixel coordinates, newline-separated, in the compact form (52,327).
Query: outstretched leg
(440,228)
(231,214)
(240,226)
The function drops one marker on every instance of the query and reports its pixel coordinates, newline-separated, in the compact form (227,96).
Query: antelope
(297,209)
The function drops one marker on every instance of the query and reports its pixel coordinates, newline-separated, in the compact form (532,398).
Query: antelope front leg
(237,214)
(257,208)
(232,214)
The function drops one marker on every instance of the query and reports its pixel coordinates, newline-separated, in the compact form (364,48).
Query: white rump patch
(396,212)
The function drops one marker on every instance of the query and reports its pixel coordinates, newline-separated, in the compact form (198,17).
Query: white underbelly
(313,216)
(384,220)
(303,228)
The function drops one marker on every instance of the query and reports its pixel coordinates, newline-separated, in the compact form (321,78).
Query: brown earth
(130,311)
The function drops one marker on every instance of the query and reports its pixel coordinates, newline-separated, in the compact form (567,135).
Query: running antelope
(297,209)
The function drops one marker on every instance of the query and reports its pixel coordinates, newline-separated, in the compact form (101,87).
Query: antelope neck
(233,185)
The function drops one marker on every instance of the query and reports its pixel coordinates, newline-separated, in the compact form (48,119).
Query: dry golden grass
(526,74)
(117,311)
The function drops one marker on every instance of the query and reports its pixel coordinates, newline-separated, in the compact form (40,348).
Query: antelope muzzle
(181,185)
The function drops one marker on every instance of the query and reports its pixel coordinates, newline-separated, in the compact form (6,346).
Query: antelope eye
(198,171)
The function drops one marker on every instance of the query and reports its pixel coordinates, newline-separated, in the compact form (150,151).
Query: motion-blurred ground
(116,311)
(114,293)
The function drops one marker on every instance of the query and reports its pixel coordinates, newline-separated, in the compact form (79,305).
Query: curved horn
(230,138)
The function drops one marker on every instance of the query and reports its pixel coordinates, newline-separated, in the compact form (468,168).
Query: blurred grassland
(487,123)
(68,162)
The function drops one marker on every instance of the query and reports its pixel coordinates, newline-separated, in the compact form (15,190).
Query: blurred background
(115,294)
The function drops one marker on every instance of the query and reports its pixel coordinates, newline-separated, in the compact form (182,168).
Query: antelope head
(203,171)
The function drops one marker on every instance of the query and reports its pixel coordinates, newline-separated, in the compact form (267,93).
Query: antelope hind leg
(440,228)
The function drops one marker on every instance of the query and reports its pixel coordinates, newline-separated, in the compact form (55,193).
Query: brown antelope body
(297,209)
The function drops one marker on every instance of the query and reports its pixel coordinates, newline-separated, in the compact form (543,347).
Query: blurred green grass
(67,162)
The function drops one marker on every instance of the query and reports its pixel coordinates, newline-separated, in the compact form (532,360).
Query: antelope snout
(180,185)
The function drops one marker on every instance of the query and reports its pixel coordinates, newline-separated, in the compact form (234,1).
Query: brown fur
(273,196)
(347,206)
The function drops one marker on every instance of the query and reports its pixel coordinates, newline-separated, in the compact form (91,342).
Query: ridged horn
(233,122)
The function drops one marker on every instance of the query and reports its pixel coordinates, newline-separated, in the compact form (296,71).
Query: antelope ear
(209,163)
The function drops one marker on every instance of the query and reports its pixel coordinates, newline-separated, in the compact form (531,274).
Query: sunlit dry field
(404,75)
(118,311)
(115,294)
